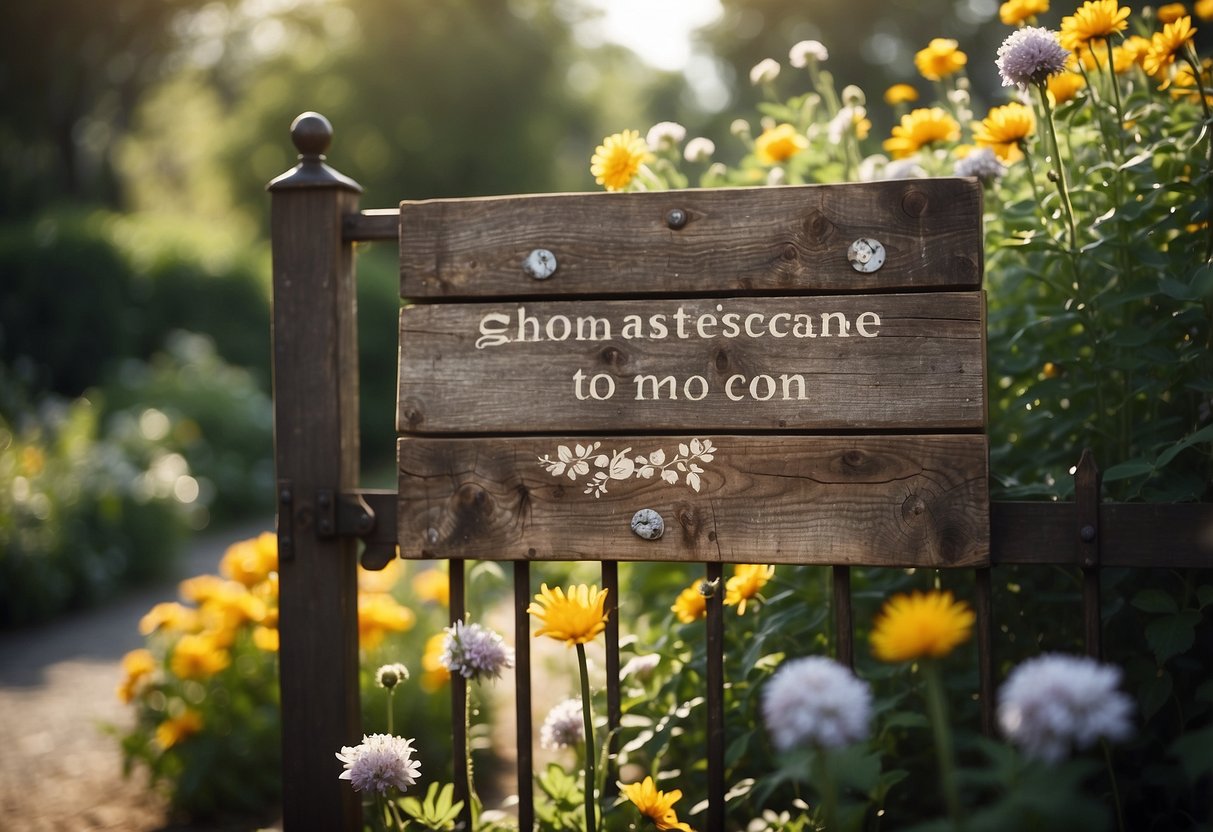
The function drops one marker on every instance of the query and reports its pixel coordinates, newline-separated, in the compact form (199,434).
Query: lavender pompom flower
(982,163)
(564,726)
(474,651)
(379,763)
(816,701)
(1029,56)
(1054,702)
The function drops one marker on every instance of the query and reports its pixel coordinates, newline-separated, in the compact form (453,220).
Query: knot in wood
(914,203)
(817,229)
(612,356)
(912,508)
(411,414)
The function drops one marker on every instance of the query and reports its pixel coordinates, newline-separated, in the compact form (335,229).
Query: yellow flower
(748,579)
(436,674)
(900,94)
(198,656)
(1004,129)
(33,460)
(1064,86)
(202,588)
(1019,12)
(1165,45)
(778,144)
(379,614)
(251,561)
(691,604)
(575,618)
(920,624)
(618,159)
(1204,9)
(1184,85)
(170,617)
(1095,20)
(266,638)
(655,805)
(175,729)
(433,585)
(381,580)
(1132,51)
(1171,12)
(137,665)
(919,128)
(941,58)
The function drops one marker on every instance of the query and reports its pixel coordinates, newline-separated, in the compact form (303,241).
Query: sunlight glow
(657,30)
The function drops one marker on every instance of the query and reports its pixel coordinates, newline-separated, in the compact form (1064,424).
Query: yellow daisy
(198,656)
(170,617)
(942,57)
(575,618)
(900,94)
(1019,12)
(137,665)
(657,806)
(1171,12)
(433,585)
(919,128)
(1204,9)
(1132,51)
(175,729)
(618,159)
(778,144)
(1064,86)
(379,614)
(266,638)
(1165,45)
(691,604)
(1095,20)
(919,625)
(747,581)
(1005,129)
(251,561)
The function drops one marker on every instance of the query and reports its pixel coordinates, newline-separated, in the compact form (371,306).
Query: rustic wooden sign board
(781,375)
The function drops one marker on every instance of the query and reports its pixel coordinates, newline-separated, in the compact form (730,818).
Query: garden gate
(770,375)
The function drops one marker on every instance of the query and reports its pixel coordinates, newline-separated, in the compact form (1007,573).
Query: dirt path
(58,769)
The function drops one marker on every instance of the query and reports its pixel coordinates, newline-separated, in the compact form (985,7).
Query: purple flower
(983,164)
(816,701)
(564,726)
(379,763)
(1054,702)
(1030,55)
(474,652)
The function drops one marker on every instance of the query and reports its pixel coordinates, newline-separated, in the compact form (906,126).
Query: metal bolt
(708,588)
(1087,533)
(648,524)
(284,496)
(366,523)
(676,218)
(540,264)
(866,255)
(431,536)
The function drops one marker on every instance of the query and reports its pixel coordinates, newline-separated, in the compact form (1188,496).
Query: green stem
(591,823)
(937,708)
(473,803)
(1058,168)
(1120,107)
(1190,56)
(389,710)
(829,789)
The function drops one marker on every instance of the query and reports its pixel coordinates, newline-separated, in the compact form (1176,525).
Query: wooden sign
(770,375)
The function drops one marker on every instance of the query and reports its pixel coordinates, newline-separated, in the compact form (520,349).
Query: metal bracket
(369,516)
(1087,481)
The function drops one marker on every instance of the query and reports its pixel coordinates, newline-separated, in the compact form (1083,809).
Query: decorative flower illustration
(619,465)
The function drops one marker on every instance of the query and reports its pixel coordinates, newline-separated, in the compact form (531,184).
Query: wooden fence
(813,357)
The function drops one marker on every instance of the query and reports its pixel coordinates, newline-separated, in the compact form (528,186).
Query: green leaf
(1156,601)
(1205,434)
(1192,750)
(1204,594)
(1128,470)
(1173,288)
(1173,634)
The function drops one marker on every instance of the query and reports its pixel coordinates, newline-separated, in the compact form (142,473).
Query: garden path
(59,770)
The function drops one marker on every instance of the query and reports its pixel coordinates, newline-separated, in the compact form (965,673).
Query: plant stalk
(591,822)
(937,708)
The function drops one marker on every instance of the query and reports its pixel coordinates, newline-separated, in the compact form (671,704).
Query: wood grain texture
(923,370)
(880,501)
(785,240)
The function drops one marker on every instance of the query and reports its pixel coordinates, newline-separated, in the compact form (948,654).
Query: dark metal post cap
(312,134)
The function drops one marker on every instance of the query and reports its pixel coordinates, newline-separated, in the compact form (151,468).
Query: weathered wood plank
(888,500)
(907,362)
(786,240)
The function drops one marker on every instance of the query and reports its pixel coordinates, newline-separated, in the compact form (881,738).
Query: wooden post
(316,450)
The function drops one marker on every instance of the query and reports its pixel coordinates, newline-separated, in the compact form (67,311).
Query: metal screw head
(648,524)
(540,264)
(431,536)
(1087,534)
(866,255)
(676,218)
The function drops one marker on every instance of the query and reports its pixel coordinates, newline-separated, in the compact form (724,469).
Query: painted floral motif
(578,460)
